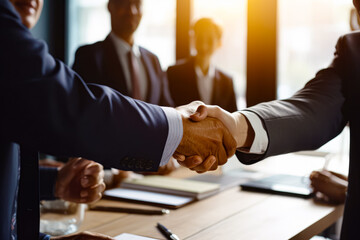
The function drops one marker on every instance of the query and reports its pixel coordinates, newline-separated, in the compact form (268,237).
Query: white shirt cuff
(174,135)
(261,140)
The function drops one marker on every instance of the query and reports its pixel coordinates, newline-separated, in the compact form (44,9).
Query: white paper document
(128,236)
(148,197)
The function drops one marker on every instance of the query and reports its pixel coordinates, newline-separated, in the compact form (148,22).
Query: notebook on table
(283,184)
(175,186)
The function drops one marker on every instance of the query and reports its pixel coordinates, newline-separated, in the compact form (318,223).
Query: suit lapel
(153,81)
(192,80)
(216,90)
(113,70)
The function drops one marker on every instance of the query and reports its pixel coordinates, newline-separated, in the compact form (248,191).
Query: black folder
(289,185)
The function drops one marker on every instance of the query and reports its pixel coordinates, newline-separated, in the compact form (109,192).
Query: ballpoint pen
(166,232)
(131,210)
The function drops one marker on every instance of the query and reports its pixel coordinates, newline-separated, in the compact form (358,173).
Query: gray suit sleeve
(307,120)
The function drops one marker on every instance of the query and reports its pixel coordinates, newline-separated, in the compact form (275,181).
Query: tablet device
(290,185)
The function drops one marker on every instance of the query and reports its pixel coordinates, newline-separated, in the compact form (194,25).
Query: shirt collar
(210,73)
(123,47)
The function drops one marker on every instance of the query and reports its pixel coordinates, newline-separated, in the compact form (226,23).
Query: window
(231,57)
(307,35)
(90,22)
(157,30)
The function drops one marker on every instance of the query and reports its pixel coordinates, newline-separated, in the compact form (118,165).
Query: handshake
(211,135)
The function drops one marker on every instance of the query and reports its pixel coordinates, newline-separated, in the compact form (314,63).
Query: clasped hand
(206,142)
(211,136)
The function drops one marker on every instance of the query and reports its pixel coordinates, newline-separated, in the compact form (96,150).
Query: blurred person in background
(197,78)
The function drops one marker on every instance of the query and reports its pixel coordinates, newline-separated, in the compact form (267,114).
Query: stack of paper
(176,186)
(128,236)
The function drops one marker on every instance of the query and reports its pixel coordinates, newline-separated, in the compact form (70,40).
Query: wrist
(244,132)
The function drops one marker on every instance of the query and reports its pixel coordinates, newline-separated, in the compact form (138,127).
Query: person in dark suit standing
(45,106)
(121,64)
(197,78)
(313,116)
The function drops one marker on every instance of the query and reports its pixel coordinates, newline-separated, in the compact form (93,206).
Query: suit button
(131,163)
(138,164)
(148,165)
(124,162)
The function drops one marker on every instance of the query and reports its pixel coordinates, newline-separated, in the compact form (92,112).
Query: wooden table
(232,214)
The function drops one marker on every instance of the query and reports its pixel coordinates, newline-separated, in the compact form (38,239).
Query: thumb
(204,111)
(200,114)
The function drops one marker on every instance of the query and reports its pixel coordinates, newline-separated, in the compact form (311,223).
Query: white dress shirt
(261,139)
(205,83)
(175,134)
(122,50)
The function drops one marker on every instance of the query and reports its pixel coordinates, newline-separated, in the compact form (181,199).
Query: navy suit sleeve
(310,118)
(47,107)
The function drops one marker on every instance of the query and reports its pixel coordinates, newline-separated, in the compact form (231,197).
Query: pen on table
(166,232)
(131,210)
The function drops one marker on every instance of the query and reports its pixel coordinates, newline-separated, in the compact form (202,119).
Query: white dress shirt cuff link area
(261,140)
(174,135)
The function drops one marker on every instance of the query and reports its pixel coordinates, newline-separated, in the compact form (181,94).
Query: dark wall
(51,27)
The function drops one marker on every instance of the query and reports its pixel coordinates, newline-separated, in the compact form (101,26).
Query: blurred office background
(270,47)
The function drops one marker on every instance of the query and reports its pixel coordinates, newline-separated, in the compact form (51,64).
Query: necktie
(134,74)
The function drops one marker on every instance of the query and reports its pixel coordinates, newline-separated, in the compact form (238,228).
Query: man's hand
(236,123)
(80,180)
(83,236)
(207,139)
(329,186)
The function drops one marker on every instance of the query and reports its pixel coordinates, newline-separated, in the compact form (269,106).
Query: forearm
(244,134)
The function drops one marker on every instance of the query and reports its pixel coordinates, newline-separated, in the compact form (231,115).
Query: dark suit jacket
(318,113)
(46,107)
(99,63)
(184,89)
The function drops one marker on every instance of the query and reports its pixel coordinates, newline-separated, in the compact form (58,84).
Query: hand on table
(83,236)
(80,180)
(204,138)
(329,186)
